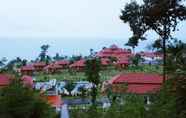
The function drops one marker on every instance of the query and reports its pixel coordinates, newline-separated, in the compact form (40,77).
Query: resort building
(52,68)
(151,57)
(4,80)
(122,63)
(78,65)
(27,70)
(114,51)
(39,66)
(63,63)
(143,84)
(137,83)
(27,81)
(105,62)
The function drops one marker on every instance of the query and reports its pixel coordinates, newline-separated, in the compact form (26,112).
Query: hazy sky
(69,26)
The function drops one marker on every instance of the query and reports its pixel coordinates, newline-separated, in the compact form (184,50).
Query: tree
(69,86)
(75,58)
(57,57)
(92,69)
(14,63)
(2,61)
(164,105)
(177,71)
(132,42)
(43,53)
(24,62)
(92,53)
(161,16)
(136,59)
(18,101)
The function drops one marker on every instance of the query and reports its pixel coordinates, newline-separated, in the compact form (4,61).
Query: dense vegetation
(18,101)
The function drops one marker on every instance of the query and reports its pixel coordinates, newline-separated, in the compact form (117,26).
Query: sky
(68,26)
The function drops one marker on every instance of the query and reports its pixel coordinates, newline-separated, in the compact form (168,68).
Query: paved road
(64,111)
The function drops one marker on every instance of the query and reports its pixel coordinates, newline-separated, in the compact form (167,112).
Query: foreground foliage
(18,101)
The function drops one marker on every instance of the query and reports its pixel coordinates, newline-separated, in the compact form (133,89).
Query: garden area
(105,74)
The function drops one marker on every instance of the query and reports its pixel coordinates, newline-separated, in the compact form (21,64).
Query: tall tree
(92,70)
(132,42)
(2,61)
(58,57)
(43,53)
(161,16)
(136,59)
(177,70)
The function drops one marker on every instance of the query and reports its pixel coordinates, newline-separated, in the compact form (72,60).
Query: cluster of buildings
(123,83)
(118,57)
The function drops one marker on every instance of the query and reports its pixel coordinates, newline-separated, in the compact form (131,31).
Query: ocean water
(29,48)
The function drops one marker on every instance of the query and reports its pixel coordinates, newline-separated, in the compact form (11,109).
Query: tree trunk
(164,59)
(165,38)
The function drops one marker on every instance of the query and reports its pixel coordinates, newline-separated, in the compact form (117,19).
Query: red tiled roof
(139,78)
(55,100)
(105,61)
(39,64)
(27,81)
(4,79)
(80,63)
(123,60)
(139,83)
(27,68)
(53,66)
(62,62)
(113,51)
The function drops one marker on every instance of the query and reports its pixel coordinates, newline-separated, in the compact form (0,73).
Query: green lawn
(105,74)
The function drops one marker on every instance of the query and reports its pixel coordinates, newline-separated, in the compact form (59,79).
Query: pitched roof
(53,66)
(27,68)
(54,100)
(39,64)
(139,83)
(62,62)
(113,51)
(139,78)
(123,60)
(4,79)
(105,61)
(80,63)
(27,81)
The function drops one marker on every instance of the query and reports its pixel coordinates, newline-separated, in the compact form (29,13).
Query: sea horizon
(29,48)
